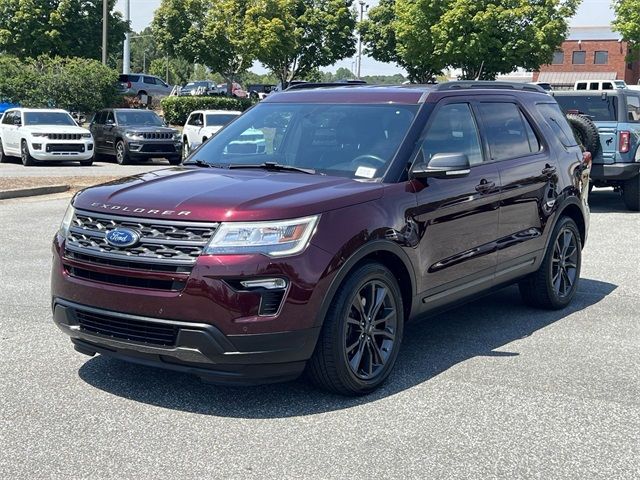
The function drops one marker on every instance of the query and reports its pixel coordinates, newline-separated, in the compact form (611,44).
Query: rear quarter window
(558,123)
(601,108)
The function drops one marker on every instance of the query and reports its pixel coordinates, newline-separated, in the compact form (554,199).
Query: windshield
(355,141)
(599,108)
(139,117)
(48,118)
(219,120)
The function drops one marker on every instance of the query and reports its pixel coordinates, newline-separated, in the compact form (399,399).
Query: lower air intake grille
(126,329)
(270,302)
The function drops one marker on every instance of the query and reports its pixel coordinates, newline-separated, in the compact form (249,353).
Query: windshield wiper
(275,167)
(199,163)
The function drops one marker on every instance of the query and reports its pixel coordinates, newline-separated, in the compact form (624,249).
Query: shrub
(75,84)
(177,109)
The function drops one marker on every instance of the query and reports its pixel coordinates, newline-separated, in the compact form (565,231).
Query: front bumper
(141,149)
(614,171)
(198,348)
(55,150)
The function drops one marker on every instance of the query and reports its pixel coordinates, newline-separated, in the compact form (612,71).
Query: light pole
(363,8)
(126,56)
(105,25)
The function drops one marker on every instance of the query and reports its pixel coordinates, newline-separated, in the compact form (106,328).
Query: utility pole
(363,8)
(126,56)
(105,26)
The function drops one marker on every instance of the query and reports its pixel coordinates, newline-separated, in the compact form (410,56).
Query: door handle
(548,170)
(485,186)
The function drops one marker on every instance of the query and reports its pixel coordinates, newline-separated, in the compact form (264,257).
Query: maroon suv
(309,230)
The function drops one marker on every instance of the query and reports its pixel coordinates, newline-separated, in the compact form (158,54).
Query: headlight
(35,134)
(275,239)
(177,136)
(66,221)
(134,135)
(86,135)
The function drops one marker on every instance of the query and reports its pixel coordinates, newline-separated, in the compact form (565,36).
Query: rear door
(96,127)
(8,132)
(528,178)
(459,215)
(109,132)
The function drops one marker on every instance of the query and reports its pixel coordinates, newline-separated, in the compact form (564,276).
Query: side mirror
(198,123)
(110,122)
(443,165)
(17,121)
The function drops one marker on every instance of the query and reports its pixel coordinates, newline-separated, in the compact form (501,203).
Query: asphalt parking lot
(491,390)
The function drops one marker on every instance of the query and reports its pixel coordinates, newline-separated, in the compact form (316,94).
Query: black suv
(132,134)
(367,207)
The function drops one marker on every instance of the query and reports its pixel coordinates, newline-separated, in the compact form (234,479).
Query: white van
(599,84)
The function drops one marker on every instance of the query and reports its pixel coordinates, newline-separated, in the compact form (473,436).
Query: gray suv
(131,134)
(139,84)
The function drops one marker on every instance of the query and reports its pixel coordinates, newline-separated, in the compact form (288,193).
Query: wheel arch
(572,210)
(386,253)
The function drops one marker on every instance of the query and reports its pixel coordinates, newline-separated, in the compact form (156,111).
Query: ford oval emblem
(122,237)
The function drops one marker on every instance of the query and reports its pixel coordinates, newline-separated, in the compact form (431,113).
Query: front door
(457,217)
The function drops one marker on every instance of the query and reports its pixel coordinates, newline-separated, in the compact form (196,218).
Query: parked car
(616,113)
(140,84)
(599,84)
(259,91)
(130,134)
(369,207)
(201,88)
(44,135)
(236,90)
(544,85)
(202,124)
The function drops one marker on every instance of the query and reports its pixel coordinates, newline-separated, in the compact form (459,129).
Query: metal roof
(569,78)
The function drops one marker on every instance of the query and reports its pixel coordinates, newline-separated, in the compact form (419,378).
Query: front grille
(158,148)
(65,147)
(162,242)
(140,331)
(64,136)
(157,136)
(125,280)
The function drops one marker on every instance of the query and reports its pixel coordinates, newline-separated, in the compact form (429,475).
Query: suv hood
(147,129)
(54,129)
(215,194)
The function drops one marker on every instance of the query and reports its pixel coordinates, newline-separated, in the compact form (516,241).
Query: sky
(590,12)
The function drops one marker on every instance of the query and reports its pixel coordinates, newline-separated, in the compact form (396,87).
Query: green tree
(180,71)
(144,50)
(484,37)
(627,22)
(208,32)
(294,38)
(29,28)
(400,32)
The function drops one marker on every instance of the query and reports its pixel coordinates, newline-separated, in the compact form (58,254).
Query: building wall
(616,63)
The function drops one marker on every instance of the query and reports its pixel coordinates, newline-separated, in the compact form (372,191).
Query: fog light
(268,283)
(90,147)
(36,146)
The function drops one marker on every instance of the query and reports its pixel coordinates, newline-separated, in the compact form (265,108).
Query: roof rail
(489,84)
(345,83)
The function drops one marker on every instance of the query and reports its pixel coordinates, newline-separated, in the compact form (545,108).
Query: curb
(29,192)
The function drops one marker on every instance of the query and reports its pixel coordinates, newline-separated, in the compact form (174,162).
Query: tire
(86,163)
(185,148)
(555,283)
(27,159)
(354,355)
(175,160)
(585,132)
(122,155)
(631,193)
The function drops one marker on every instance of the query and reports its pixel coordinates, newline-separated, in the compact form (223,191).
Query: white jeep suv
(37,135)
(201,125)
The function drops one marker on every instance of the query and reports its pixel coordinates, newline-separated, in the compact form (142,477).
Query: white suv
(202,124)
(37,135)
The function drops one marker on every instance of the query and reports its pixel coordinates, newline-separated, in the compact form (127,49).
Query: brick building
(590,53)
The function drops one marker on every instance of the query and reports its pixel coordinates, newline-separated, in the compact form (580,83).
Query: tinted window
(581,86)
(219,119)
(453,130)
(599,108)
(507,130)
(558,58)
(558,123)
(348,140)
(579,58)
(633,108)
(601,57)
(193,120)
(110,117)
(99,117)
(138,117)
(8,118)
(48,118)
(150,80)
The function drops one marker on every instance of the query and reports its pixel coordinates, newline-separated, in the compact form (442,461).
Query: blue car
(616,113)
